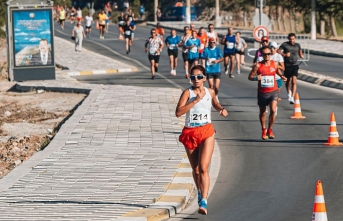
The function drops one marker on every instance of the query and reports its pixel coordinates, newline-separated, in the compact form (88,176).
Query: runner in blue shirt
(172,43)
(229,41)
(193,44)
(213,55)
(142,11)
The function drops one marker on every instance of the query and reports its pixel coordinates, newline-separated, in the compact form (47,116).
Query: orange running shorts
(192,137)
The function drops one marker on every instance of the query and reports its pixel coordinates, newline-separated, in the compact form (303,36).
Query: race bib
(194,49)
(230,45)
(172,47)
(209,61)
(200,116)
(127,32)
(239,47)
(102,22)
(152,50)
(201,46)
(267,81)
(121,22)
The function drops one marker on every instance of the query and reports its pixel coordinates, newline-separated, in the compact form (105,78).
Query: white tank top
(200,113)
(212,35)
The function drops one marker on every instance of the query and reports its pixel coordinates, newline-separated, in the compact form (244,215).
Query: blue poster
(32,37)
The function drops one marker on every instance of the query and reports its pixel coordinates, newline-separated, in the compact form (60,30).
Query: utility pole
(261,11)
(313,20)
(188,11)
(155,10)
(218,20)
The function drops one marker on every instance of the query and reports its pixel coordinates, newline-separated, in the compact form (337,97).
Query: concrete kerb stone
(177,193)
(94,72)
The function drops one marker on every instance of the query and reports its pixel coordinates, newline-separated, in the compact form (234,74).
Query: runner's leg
(294,85)
(193,157)
(226,64)
(205,154)
(238,60)
(262,116)
(232,63)
(216,85)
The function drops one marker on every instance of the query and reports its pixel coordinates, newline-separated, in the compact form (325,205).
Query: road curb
(95,72)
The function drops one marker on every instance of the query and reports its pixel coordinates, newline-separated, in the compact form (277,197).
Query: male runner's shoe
(264,134)
(226,70)
(238,72)
(153,77)
(203,207)
(231,76)
(291,101)
(270,134)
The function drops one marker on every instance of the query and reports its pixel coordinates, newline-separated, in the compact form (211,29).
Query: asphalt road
(258,180)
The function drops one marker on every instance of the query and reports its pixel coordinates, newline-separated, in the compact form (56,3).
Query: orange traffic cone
(333,133)
(297,109)
(319,208)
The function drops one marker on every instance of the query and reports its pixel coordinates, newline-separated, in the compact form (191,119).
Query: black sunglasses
(193,77)
(266,54)
(264,41)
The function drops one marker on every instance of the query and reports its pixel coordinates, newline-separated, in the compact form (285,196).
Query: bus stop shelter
(30,38)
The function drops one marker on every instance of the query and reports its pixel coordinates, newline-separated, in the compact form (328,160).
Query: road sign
(259,32)
(265,20)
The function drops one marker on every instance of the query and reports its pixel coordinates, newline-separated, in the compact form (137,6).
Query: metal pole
(188,11)
(9,41)
(155,10)
(313,20)
(218,20)
(261,11)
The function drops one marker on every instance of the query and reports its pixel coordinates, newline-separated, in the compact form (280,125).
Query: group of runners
(63,13)
(196,102)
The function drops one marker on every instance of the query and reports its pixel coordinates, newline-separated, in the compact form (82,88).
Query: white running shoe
(231,76)
(291,101)
(227,71)
(238,72)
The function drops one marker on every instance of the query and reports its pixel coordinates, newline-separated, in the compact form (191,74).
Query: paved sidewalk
(316,47)
(86,62)
(116,158)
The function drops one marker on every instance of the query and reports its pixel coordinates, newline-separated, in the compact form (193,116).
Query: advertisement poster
(32,38)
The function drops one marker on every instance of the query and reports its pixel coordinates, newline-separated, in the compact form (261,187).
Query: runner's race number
(200,116)
(267,81)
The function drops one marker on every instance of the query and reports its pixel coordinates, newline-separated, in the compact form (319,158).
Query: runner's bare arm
(217,39)
(216,105)
(281,66)
(182,107)
(253,72)
(223,40)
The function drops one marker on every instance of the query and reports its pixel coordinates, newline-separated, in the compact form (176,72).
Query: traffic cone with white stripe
(333,139)
(319,208)
(297,109)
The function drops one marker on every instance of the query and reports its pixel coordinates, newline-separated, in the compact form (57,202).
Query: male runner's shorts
(264,99)
(214,75)
(229,54)
(279,83)
(88,27)
(156,58)
(173,53)
(192,137)
(127,36)
(240,52)
(191,61)
(291,71)
(62,20)
(185,56)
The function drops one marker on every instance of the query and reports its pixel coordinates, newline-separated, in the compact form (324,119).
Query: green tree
(2,17)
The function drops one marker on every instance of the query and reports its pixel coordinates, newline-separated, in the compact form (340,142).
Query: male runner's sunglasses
(266,54)
(193,77)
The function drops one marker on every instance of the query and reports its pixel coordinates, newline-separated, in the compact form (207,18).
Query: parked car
(178,13)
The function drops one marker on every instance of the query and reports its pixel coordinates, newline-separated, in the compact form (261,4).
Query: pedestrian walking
(78,34)
(198,133)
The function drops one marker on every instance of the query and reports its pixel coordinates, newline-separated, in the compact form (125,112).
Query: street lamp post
(155,10)
(188,11)
(313,20)
(218,20)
